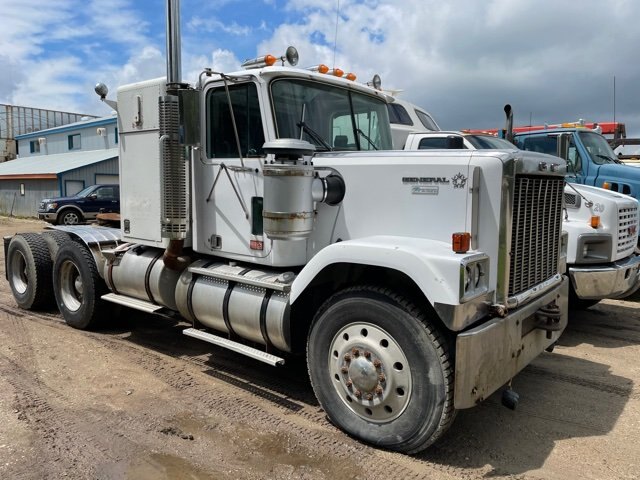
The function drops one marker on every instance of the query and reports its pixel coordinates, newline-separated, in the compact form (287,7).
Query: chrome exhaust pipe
(174,60)
(509,127)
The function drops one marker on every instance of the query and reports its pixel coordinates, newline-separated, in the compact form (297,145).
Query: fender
(431,264)
(72,207)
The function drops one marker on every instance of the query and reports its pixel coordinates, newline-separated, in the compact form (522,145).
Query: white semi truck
(602,226)
(267,209)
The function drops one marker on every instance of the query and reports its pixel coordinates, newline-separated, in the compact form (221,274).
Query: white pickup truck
(602,226)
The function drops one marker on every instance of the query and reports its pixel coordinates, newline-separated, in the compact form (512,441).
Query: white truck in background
(602,226)
(267,209)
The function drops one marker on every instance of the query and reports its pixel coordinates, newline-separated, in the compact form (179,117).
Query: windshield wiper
(366,138)
(613,160)
(313,134)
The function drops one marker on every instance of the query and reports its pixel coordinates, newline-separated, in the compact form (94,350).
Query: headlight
(52,206)
(474,276)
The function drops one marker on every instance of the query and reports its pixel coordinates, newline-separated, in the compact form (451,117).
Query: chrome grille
(627,228)
(535,233)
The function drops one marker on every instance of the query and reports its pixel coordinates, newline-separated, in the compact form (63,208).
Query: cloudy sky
(462,60)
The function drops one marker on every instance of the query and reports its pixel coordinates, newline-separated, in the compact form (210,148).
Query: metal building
(16,120)
(26,181)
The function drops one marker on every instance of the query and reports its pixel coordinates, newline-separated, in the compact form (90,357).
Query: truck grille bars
(535,232)
(627,221)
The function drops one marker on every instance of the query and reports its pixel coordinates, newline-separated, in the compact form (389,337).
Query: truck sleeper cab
(273,239)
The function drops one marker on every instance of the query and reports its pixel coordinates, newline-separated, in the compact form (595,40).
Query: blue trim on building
(69,128)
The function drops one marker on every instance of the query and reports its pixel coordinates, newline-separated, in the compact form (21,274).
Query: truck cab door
(227,178)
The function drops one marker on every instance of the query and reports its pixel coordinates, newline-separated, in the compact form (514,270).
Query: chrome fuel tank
(252,312)
(140,273)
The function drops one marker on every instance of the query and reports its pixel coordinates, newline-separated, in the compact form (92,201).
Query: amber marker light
(351,76)
(337,72)
(461,242)
(595,221)
(606,185)
(269,60)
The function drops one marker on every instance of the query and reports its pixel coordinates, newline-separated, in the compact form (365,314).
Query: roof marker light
(322,68)
(259,62)
(336,72)
(351,76)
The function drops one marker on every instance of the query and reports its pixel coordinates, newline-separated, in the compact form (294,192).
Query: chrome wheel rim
(71,287)
(70,218)
(19,278)
(370,372)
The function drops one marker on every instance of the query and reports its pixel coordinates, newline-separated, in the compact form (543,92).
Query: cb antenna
(335,38)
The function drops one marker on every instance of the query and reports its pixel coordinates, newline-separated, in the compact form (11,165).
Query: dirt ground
(139,400)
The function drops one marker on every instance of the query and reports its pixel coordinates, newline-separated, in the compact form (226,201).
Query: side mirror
(93,196)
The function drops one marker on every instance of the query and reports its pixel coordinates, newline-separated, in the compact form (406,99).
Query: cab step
(235,346)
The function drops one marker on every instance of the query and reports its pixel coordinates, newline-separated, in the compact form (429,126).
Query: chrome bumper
(489,355)
(614,280)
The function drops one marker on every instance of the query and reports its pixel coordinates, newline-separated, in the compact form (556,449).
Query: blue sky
(462,60)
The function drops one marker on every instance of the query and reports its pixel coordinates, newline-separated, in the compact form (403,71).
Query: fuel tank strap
(225,303)
(263,318)
(192,283)
(147,275)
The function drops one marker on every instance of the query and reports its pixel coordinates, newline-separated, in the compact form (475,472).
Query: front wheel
(380,370)
(78,287)
(69,217)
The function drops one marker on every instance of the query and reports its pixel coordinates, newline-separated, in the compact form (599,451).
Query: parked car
(84,205)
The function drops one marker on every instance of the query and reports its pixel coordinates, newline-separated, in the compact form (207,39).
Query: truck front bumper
(614,280)
(48,216)
(489,355)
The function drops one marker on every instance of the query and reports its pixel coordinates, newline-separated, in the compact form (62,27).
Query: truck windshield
(598,148)
(330,117)
(85,192)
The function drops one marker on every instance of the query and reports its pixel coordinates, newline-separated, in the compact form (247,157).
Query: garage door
(71,187)
(104,179)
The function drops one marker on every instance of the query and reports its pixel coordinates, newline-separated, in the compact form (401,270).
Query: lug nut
(357,394)
(344,370)
(377,363)
(379,390)
(347,357)
(381,377)
(356,352)
(369,396)
(367,354)
(349,383)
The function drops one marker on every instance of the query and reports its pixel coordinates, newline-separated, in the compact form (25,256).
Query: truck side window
(542,144)
(427,121)
(574,159)
(432,143)
(221,140)
(398,114)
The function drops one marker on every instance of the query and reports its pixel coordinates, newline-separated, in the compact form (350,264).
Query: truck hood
(60,199)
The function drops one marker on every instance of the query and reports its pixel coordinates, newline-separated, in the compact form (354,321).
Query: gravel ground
(139,400)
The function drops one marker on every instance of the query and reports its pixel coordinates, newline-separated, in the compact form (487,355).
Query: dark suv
(84,205)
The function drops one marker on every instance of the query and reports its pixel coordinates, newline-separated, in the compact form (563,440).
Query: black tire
(55,239)
(577,303)
(78,287)
(69,216)
(29,271)
(407,408)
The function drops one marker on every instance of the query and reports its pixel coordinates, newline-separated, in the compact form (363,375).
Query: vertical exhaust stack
(174,181)
(509,127)
(174,58)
